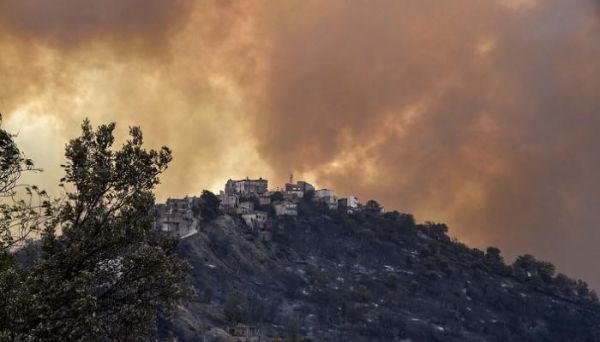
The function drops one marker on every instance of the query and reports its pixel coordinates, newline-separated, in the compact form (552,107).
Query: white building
(286,209)
(328,197)
(246,187)
(228,201)
(298,190)
(293,195)
(264,199)
(349,203)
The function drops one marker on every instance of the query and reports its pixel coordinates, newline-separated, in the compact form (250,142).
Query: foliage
(365,277)
(437,231)
(23,208)
(492,255)
(104,273)
(373,206)
(405,219)
(209,205)
(528,267)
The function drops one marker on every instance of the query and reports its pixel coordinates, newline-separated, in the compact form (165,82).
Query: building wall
(176,217)
(255,219)
(286,209)
(327,196)
(246,187)
(324,193)
(264,199)
(228,201)
(350,202)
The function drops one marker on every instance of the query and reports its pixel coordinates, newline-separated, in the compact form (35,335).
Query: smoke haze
(482,114)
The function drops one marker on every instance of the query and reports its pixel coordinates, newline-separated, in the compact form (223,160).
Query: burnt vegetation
(367,276)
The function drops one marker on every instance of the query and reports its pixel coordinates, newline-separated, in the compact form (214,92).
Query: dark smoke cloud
(69,23)
(482,114)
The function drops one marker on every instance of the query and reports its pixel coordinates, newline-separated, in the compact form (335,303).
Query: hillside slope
(330,276)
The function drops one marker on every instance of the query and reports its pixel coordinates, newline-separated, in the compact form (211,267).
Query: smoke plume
(482,114)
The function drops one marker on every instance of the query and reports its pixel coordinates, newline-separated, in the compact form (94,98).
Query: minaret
(291,178)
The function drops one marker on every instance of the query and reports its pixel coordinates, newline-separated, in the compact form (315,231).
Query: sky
(481,114)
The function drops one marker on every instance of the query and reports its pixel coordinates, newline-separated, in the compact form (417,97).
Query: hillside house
(286,208)
(350,204)
(293,195)
(228,202)
(328,197)
(176,217)
(255,219)
(296,191)
(247,187)
(264,199)
(299,186)
(244,333)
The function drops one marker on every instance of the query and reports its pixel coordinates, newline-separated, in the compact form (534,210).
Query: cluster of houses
(252,200)
(248,198)
(177,217)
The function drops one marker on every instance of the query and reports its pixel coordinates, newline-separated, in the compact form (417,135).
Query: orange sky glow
(481,114)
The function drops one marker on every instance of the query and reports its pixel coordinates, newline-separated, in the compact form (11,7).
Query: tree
(21,213)
(373,207)
(564,284)
(546,271)
(405,220)
(525,266)
(104,272)
(437,231)
(209,205)
(493,256)
(494,260)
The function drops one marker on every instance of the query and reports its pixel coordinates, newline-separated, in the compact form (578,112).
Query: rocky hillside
(331,276)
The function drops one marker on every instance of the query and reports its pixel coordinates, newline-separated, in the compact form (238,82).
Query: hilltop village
(291,264)
(252,200)
(297,263)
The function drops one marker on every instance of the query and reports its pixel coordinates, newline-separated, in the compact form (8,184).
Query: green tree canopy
(104,273)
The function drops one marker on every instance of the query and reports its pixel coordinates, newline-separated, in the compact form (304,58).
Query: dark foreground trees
(209,205)
(103,273)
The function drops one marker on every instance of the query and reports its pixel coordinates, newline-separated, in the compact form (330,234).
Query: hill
(328,275)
